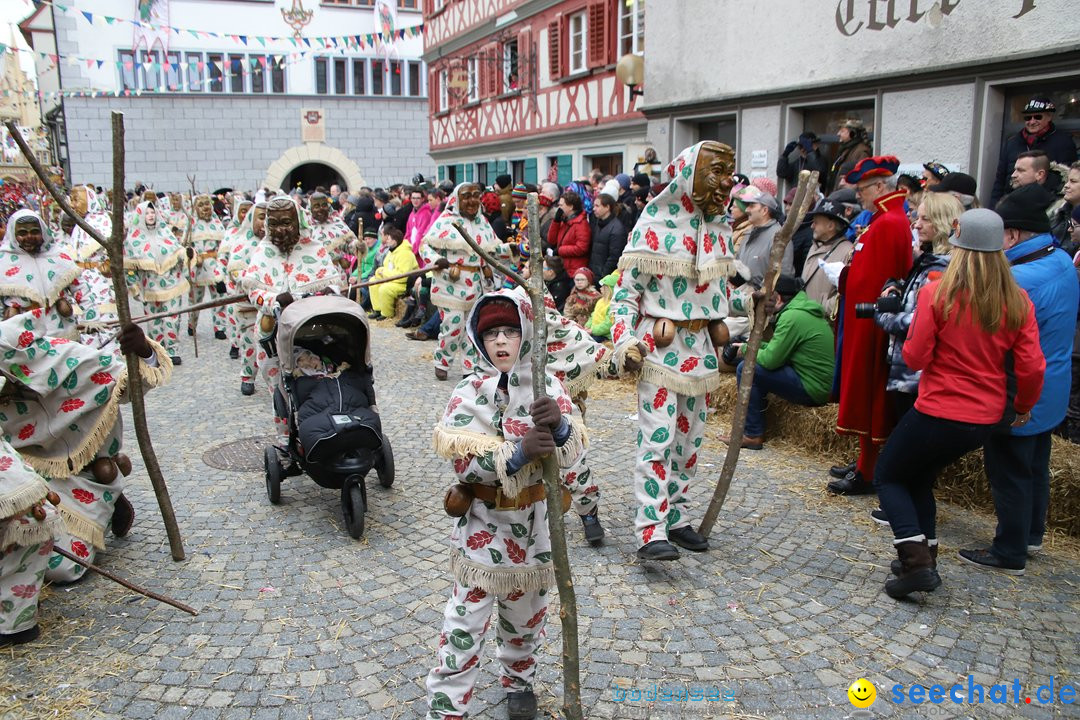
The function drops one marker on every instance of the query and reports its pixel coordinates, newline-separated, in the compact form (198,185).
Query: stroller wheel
(352,505)
(385,467)
(273,475)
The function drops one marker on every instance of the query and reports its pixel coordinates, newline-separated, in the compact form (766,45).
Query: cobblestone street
(296,620)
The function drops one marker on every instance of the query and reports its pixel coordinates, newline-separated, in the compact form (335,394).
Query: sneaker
(987,560)
(880,517)
(688,539)
(1034,550)
(658,550)
(521,705)
(594,531)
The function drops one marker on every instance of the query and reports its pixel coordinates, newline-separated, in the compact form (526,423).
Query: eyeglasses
(1032,117)
(508,332)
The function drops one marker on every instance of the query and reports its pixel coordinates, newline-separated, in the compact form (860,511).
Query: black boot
(247,388)
(18,638)
(234,353)
(658,550)
(521,705)
(688,538)
(594,532)
(917,571)
(123,516)
(410,310)
(418,317)
(896,567)
(220,335)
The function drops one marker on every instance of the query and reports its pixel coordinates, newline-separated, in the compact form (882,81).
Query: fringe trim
(574,446)
(21,500)
(451,443)
(166,295)
(582,382)
(451,303)
(88,249)
(678,382)
(501,581)
(25,535)
(158,266)
(81,527)
(719,268)
(656,265)
(513,484)
(95,437)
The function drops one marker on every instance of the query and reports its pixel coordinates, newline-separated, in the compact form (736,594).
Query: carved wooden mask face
(204,209)
(712,177)
(28,234)
(283,228)
(320,209)
(469,200)
(175,202)
(79,200)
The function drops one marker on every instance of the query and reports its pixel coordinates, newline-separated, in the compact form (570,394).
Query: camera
(888,304)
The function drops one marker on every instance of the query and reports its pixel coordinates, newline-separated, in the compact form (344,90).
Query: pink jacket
(417,226)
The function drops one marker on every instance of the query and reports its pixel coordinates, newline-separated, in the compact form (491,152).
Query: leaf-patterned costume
(25,542)
(336,236)
(674,266)
(98,302)
(307,269)
(236,255)
(455,290)
(498,557)
(156,261)
(61,413)
(205,270)
(32,280)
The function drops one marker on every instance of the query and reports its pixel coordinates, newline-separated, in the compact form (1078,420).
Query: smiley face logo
(862,693)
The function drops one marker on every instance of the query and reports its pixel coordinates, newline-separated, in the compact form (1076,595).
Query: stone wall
(233,141)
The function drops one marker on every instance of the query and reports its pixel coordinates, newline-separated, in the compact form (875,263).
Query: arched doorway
(313,164)
(311,175)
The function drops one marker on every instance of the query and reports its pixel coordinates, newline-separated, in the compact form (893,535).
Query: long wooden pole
(564,579)
(218,302)
(803,196)
(114,246)
(402,276)
(126,583)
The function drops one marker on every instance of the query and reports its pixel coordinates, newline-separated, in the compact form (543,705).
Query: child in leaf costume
(671,293)
(495,433)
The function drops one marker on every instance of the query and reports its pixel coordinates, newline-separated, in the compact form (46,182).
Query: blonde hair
(982,282)
(942,210)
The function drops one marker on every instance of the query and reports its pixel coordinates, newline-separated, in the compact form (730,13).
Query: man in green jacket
(797,364)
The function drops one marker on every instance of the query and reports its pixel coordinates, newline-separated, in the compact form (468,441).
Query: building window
(473,79)
(631,27)
(216,62)
(359,76)
(395,77)
(341,68)
(148,73)
(482,174)
(236,73)
(408,4)
(173,76)
(510,66)
(277,76)
(320,75)
(444,91)
(127,70)
(195,69)
(378,77)
(576,32)
(415,75)
(258,74)
(517,170)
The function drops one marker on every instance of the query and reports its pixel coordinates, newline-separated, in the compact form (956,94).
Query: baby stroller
(335,435)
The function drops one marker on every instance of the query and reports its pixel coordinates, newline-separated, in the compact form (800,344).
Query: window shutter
(491,171)
(525,58)
(530,170)
(440,173)
(469,172)
(555,47)
(566,174)
(491,59)
(500,168)
(598,33)
(460,172)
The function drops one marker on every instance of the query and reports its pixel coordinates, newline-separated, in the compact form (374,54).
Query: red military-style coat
(881,253)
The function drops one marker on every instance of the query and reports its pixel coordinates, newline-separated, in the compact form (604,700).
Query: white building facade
(934,80)
(226,91)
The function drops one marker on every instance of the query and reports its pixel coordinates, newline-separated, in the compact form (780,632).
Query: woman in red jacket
(570,234)
(964,327)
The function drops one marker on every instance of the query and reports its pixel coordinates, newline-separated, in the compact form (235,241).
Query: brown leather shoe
(417,335)
(749,442)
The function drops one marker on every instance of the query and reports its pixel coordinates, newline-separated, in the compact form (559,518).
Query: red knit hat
(587,273)
(877,166)
(491,202)
(499,312)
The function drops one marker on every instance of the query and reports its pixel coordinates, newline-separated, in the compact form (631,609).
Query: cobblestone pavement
(299,621)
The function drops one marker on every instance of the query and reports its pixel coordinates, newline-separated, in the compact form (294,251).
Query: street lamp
(631,72)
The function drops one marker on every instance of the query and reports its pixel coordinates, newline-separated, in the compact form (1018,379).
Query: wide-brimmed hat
(832,210)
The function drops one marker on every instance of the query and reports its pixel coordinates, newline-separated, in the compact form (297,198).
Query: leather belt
(470,268)
(528,496)
(691,325)
(90,265)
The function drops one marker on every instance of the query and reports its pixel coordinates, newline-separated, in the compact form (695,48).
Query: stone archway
(317,153)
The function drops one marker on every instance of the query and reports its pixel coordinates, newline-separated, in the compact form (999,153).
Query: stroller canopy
(325,321)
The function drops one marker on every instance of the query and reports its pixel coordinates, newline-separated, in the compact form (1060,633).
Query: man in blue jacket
(1018,460)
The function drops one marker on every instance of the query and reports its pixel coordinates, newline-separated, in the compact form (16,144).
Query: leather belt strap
(471,268)
(691,325)
(492,494)
(91,265)
(207,254)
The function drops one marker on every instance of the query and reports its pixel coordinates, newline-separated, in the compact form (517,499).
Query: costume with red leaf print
(674,266)
(237,250)
(61,411)
(39,279)
(502,555)
(154,258)
(205,270)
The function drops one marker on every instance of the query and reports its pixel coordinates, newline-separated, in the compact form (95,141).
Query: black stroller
(335,435)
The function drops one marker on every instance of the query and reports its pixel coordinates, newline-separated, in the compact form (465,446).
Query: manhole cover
(244,455)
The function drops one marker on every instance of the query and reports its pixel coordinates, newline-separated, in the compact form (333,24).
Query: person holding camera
(964,327)
(882,252)
(797,364)
(802,154)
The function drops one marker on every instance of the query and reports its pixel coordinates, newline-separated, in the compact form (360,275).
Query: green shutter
(460,173)
(530,170)
(469,172)
(441,173)
(501,168)
(491,172)
(566,173)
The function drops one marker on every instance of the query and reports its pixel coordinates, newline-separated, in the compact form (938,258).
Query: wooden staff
(403,276)
(556,528)
(229,300)
(126,583)
(803,196)
(115,249)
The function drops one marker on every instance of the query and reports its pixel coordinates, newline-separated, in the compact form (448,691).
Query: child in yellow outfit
(399,260)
